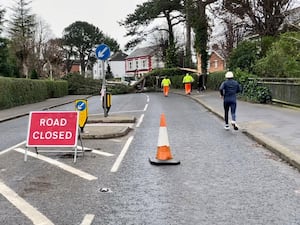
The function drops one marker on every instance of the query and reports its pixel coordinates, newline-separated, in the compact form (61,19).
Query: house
(143,60)
(117,64)
(75,68)
(216,62)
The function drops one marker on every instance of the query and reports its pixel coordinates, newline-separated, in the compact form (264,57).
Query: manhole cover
(105,190)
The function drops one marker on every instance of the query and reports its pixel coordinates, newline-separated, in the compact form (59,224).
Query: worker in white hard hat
(228,90)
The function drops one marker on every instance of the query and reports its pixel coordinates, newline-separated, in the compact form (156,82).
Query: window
(130,65)
(144,63)
(136,64)
(216,63)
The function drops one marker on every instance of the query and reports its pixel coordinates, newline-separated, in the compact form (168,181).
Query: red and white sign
(52,129)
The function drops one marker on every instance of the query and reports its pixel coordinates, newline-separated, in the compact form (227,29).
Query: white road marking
(140,120)
(121,156)
(29,211)
(146,106)
(13,147)
(102,153)
(58,164)
(97,151)
(88,219)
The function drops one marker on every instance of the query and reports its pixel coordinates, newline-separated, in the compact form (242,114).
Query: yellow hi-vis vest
(165,82)
(188,79)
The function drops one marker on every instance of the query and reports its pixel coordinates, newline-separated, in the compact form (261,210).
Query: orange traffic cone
(163,155)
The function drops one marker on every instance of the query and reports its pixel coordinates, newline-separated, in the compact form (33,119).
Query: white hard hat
(229,74)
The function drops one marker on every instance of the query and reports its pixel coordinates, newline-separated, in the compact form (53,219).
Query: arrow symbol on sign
(80,106)
(101,53)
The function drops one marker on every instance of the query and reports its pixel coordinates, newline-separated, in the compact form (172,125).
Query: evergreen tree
(2,12)
(200,26)
(21,31)
(146,13)
(80,39)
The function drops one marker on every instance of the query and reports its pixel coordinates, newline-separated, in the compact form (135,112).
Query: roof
(118,56)
(150,50)
(218,54)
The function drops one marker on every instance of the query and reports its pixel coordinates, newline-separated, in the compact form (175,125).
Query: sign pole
(103,53)
(104,89)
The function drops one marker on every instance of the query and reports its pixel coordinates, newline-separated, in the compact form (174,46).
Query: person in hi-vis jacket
(165,84)
(187,81)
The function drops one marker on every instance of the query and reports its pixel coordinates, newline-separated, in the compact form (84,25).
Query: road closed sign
(52,128)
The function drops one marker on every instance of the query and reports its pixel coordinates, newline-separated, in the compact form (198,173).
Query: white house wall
(98,69)
(156,62)
(117,68)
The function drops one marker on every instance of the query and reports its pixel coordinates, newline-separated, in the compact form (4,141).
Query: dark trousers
(232,106)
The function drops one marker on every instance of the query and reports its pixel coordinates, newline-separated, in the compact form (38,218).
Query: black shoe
(235,127)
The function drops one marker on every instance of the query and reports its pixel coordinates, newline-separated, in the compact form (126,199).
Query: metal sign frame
(46,126)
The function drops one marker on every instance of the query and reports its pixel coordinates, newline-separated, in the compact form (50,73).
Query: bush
(154,78)
(255,92)
(120,89)
(78,85)
(251,89)
(214,80)
(244,56)
(170,72)
(20,91)
(282,59)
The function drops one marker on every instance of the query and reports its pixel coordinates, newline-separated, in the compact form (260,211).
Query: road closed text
(51,133)
(53,128)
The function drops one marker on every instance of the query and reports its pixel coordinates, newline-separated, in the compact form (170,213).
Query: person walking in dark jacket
(228,90)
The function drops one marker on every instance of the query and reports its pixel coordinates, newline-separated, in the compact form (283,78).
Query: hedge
(21,91)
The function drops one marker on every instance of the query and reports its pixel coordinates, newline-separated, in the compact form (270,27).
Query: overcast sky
(59,14)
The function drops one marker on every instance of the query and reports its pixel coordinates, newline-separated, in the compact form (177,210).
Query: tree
(188,44)
(42,33)
(8,66)
(81,38)
(2,12)
(21,31)
(262,17)
(244,56)
(230,30)
(200,26)
(146,13)
(53,54)
(282,59)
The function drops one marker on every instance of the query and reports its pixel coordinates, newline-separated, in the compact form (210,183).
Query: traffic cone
(163,155)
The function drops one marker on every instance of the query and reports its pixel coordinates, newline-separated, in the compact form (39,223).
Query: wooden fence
(284,90)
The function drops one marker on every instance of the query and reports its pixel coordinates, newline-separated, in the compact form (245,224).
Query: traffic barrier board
(81,105)
(52,129)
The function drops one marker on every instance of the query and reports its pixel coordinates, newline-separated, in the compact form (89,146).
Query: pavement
(275,127)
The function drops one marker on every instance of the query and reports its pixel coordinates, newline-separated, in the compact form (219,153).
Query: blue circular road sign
(80,106)
(102,52)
